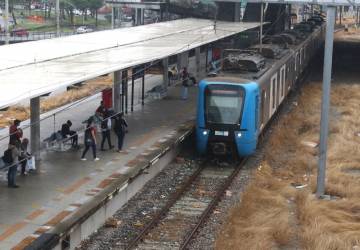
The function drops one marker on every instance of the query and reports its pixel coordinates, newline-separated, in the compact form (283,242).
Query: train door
(282,83)
(273,91)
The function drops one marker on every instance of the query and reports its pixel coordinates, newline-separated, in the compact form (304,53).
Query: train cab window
(223,104)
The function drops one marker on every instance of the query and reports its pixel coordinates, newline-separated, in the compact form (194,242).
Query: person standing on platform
(105,130)
(90,140)
(185,83)
(15,132)
(120,130)
(11,158)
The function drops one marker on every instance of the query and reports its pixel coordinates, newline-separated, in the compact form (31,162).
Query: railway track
(175,225)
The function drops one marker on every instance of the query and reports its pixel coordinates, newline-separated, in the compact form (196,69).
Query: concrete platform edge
(93,214)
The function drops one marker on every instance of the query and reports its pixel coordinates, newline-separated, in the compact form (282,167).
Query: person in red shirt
(15,132)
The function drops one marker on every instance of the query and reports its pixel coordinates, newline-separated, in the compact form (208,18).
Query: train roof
(228,79)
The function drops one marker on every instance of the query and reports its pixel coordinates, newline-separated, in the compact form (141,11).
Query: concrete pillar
(237,12)
(116,91)
(142,11)
(182,60)
(198,62)
(165,63)
(119,16)
(138,16)
(35,128)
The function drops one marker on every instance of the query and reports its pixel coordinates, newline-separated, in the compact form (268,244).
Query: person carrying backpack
(11,159)
(105,130)
(120,129)
(90,140)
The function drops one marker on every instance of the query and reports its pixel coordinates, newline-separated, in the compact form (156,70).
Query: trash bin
(107,98)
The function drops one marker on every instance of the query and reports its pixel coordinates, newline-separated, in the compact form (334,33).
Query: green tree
(94,5)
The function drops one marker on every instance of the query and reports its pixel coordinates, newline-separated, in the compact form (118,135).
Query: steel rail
(175,197)
(212,204)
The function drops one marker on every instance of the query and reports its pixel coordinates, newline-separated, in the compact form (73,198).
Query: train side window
(273,91)
(262,115)
(282,82)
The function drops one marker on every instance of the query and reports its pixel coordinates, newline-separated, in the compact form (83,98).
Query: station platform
(65,182)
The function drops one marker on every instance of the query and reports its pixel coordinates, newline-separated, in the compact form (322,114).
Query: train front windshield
(223,104)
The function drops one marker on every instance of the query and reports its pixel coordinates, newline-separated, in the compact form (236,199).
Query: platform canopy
(33,69)
(318,2)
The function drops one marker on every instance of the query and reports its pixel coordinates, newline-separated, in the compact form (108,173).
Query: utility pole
(57,18)
(325,105)
(261,25)
(6,22)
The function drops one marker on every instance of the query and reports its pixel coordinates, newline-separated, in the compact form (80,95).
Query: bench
(59,144)
(157,92)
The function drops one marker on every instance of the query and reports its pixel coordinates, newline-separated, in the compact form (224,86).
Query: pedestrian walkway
(65,181)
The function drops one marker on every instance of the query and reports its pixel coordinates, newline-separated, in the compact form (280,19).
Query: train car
(235,105)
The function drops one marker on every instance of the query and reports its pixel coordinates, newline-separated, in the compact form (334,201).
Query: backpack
(88,137)
(7,158)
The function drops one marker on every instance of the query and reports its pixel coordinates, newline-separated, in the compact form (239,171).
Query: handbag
(31,165)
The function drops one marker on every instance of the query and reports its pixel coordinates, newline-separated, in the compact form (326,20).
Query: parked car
(84,29)
(19,32)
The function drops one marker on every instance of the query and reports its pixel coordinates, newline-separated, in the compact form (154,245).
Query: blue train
(236,104)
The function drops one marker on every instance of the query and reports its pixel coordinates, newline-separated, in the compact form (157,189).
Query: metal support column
(6,22)
(198,63)
(116,91)
(165,63)
(143,90)
(132,90)
(206,59)
(124,85)
(126,93)
(112,17)
(325,105)
(35,128)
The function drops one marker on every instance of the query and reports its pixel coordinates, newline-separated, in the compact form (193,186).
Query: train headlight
(239,134)
(205,132)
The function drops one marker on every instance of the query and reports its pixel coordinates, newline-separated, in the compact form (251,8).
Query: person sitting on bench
(65,132)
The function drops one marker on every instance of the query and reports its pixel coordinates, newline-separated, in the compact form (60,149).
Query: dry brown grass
(88,89)
(275,215)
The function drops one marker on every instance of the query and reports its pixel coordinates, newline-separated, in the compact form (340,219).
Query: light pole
(325,105)
(6,22)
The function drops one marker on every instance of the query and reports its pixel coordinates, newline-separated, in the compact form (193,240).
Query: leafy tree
(94,5)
